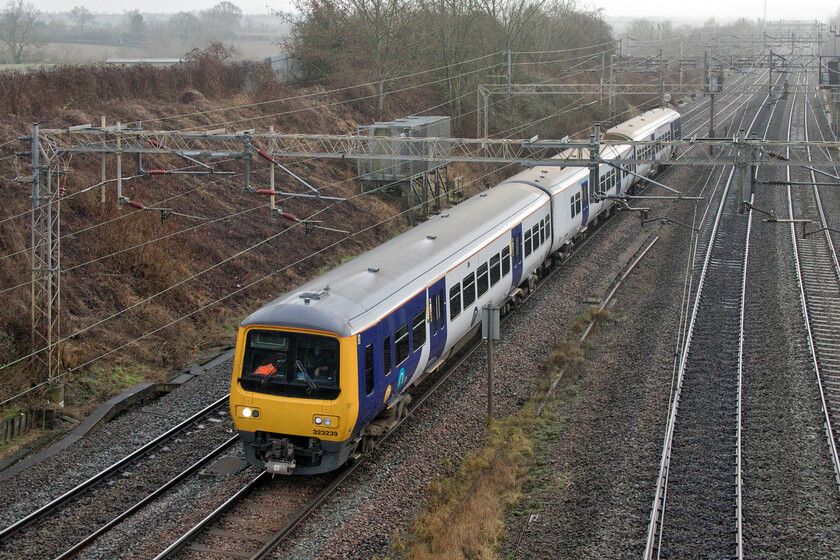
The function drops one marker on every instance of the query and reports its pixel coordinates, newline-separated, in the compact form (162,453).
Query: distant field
(24,67)
(75,53)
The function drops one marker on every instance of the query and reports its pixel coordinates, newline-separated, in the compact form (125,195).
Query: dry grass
(464,516)
(465,512)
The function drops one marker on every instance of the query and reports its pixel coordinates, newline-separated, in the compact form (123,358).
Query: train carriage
(326,366)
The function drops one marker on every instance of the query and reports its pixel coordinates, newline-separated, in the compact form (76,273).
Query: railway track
(818,277)
(697,509)
(59,506)
(227,532)
(210,529)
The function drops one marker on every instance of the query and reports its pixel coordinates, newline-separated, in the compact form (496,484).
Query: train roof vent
(307,296)
(431,237)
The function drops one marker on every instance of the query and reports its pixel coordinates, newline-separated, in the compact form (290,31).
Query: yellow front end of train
(294,398)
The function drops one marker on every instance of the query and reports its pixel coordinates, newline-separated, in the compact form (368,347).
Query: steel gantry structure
(50,149)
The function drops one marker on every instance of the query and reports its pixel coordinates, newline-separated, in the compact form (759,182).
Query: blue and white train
(323,369)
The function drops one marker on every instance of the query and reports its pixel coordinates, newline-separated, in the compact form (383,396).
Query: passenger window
(418,330)
(401,343)
(578,208)
(506,261)
(495,270)
(369,369)
(432,314)
(527,242)
(469,290)
(439,316)
(482,280)
(535,236)
(454,301)
(573,206)
(386,355)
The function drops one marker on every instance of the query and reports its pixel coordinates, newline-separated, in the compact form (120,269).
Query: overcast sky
(702,9)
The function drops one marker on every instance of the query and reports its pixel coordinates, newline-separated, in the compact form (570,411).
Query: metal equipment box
(829,71)
(390,139)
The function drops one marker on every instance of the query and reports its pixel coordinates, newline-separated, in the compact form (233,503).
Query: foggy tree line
(23,28)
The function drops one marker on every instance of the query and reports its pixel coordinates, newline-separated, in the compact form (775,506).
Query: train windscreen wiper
(277,365)
(306,377)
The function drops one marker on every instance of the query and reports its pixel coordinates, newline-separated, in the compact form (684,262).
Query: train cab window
(527,242)
(505,261)
(386,355)
(291,364)
(401,346)
(454,301)
(369,369)
(418,330)
(469,290)
(495,270)
(482,280)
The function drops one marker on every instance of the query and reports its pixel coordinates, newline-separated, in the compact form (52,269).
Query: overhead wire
(186,280)
(206,306)
(331,104)
(319,93)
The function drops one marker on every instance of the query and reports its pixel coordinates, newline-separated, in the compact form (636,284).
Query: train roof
(556,178)
(641,127)
(360,292)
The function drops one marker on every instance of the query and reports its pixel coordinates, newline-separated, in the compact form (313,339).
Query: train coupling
(280,467)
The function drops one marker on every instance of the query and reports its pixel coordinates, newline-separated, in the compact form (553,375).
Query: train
(323,370)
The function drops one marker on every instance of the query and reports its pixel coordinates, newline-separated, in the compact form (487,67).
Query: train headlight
(247,412)
(324,421)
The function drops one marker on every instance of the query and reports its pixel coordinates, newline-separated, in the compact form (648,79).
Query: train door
(370,369)
(584,197)
(516,254)
(437,319)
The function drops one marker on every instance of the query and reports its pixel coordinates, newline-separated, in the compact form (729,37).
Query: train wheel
(367,444)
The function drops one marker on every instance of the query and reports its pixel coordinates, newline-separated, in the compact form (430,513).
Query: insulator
(135,204)
(158,171)
(290,216)
(265,155)
(156,144)
(267,191)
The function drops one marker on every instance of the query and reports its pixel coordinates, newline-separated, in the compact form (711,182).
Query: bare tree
(17,23)
(455,26)
(185,26)
(225,18)
(81,16)
(368,39)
